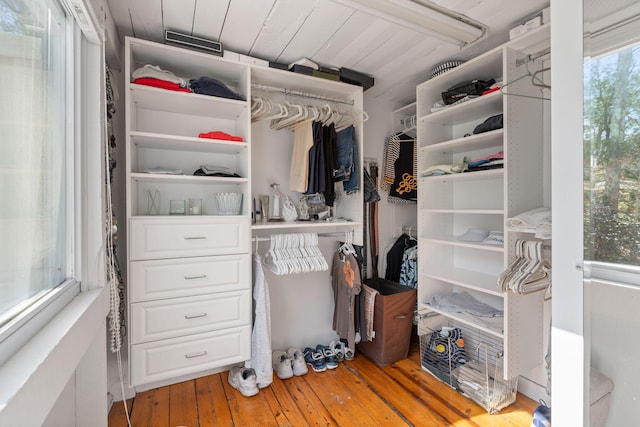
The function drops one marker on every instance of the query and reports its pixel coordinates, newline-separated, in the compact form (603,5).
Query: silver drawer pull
(195,237)
(202,276)
(194,316)
(192,355)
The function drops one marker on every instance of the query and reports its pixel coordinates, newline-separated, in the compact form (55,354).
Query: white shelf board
(479,141)
(153,98)
(467,320)
(186,143)
(465,211)
(185,218)
(465,176)
(185,179)
(469,110)
(472,280)
(307,225)
(450,241)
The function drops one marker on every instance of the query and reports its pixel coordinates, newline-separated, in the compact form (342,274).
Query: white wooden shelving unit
(189,276)
(189,280)
(451,204)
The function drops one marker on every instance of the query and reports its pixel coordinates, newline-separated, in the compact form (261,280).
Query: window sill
(40,370)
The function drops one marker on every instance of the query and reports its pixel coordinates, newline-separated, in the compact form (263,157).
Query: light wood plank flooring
(357,393)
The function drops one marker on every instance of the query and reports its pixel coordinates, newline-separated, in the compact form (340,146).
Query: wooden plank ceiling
(324,31)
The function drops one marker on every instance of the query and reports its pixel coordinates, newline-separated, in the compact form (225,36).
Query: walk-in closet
(318,212)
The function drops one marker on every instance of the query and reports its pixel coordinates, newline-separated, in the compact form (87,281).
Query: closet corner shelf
(474,142)
(483,106)
(453,242)
(186,103)
(186,179)
(472,280)
(186,143)
(467,320)
(465,176)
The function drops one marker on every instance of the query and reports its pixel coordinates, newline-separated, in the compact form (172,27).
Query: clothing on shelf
(395,256)
(537,221)
(400,169)
(209,86)
(161,84)
(528,272)
(157,73)
(346,284)
(220,135)
(464,302)
(446,169)
(261,334)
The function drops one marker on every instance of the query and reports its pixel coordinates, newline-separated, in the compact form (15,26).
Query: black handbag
(464,89)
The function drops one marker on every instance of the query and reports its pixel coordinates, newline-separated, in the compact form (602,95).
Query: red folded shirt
(220,135)
(162,84)
(488,91)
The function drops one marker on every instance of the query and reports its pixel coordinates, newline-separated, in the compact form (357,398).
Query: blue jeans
(346,160)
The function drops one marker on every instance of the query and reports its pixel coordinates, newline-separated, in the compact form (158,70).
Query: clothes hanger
(533,76)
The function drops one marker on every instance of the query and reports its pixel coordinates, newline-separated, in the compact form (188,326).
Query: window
(612,149)
(36,157)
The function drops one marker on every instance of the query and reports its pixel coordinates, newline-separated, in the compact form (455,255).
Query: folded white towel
(156,72)
(530,220)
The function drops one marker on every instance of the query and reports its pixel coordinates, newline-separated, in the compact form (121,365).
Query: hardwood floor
(357,393)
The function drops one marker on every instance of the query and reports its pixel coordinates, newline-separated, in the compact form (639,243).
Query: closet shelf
(186,179)
(152,98)
(185,143)
(471,321)
(465,176)
(475,109)
(307,226)
(464,211)
(473,280)
(462,145)
(450,241)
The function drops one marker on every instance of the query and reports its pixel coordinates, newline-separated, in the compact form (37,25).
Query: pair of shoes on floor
(321,358)
(341,351)
(244,380)
(288,363)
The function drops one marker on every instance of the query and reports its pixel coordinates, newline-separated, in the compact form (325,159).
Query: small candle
(195,210)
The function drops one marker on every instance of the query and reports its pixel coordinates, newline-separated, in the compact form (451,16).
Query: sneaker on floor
(338,349)
(244,380)
(282,364)
(329,356)
(315,359)
(298,364)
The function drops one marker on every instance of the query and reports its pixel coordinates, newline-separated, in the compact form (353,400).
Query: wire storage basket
(467,359)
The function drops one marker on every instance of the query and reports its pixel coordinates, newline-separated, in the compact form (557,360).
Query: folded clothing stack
(153,75)
(492,161)
(537,221)
(210,86)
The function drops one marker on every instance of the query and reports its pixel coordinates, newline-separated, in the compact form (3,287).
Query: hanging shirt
(346,283)
(302,143)
(261,335)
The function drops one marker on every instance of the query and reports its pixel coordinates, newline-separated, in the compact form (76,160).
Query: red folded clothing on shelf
(162,84)
(220,135)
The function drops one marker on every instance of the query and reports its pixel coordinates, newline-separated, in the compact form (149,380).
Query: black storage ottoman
(392,322)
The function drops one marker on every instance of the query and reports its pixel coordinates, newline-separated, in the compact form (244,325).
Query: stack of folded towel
(536,221)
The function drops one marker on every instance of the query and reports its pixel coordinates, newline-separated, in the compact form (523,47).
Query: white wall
(391,217)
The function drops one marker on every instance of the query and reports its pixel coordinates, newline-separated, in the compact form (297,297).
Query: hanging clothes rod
(299,93)
(533,56)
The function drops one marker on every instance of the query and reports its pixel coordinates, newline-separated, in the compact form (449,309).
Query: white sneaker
(298,364)
(282,364)
(244,380)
